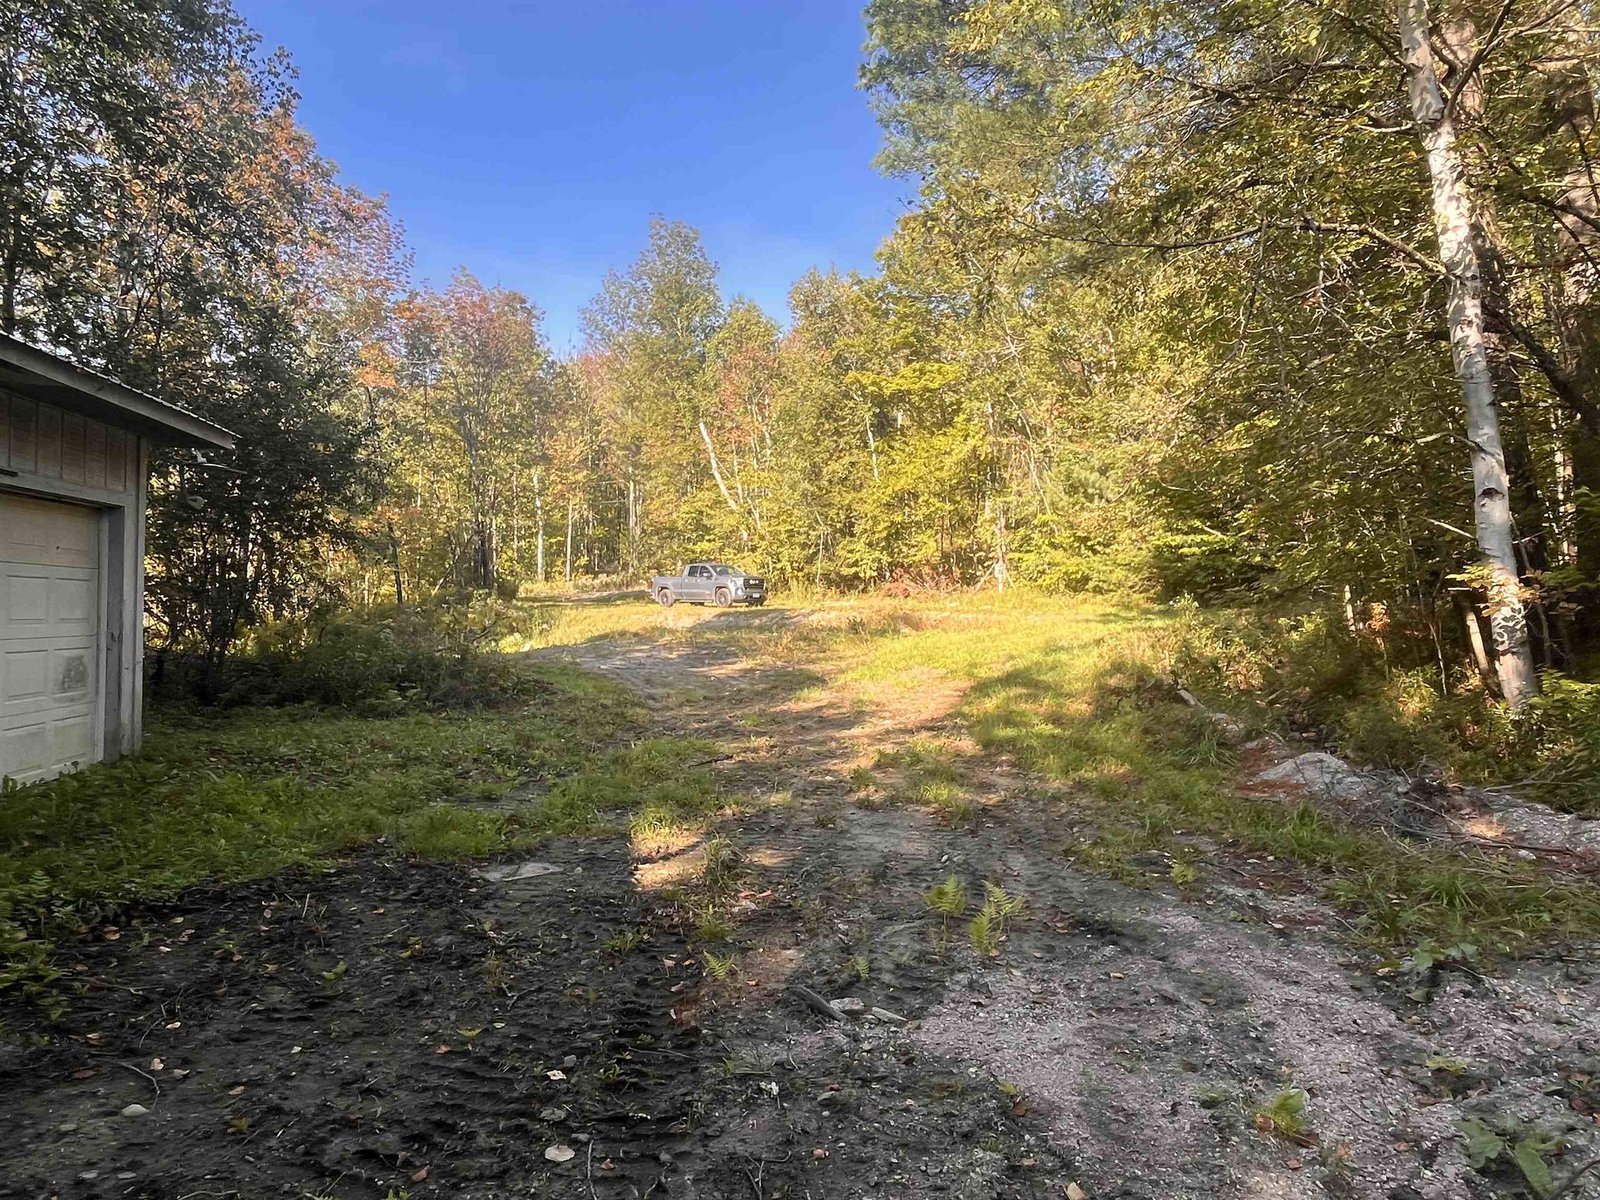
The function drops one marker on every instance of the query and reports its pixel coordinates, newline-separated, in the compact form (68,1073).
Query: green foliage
(1192,247)
(1073,691)
(926,773)
(948,899)
(625,941)
(988,928)
(713,926)
(1164,321)
(1502,1141)
(1284,1114)
(381,660)
(1555,741)
(1309,672)
(221,797)
(723,866)
(167,221)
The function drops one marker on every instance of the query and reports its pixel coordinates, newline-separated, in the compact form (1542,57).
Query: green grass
(242,794)
(1071,690)
(925,772)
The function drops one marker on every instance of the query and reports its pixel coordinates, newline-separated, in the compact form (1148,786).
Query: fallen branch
(142,1074)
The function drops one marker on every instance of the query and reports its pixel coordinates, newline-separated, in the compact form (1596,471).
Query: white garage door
(49,636)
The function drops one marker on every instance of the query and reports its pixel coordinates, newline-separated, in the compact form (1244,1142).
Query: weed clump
(1285,1115)
(988,928)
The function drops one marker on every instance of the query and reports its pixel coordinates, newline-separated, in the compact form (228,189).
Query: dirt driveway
(392,1028)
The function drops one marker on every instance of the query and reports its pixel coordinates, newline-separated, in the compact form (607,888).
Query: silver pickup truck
(709,583)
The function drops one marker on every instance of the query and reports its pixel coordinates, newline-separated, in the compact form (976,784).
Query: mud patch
(385,1027)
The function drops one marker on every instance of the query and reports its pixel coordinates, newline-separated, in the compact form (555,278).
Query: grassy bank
(1077,692)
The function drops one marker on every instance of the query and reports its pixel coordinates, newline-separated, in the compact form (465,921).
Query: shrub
(380,660)
(1310,672)
(1555,742)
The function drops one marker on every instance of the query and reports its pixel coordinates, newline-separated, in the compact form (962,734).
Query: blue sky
(532,142)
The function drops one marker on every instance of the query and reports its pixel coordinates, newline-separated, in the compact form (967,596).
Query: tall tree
(1453,218)
(651,326)
(479,381)
(164,218)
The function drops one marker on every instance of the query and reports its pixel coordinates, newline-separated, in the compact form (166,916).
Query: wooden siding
(89,456)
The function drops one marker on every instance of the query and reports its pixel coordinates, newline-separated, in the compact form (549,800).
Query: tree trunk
(716,468)
(568,544)
(632,557)
(1452,217)
(394,564)
(538,531)
(1002,550)
(1474,631)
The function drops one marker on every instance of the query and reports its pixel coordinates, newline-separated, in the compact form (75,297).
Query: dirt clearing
(620,1015)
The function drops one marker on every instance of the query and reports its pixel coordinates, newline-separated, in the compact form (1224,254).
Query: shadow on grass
(1144,766)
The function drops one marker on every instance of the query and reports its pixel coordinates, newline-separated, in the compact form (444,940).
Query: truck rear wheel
(724,597)
(665,597)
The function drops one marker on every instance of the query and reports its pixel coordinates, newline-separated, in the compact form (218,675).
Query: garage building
(74,460)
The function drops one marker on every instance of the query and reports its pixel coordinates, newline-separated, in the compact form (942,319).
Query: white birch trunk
(1566,515)
(538,516)
(1002,551)
(1452,218)
(716,469)
(632,555)
(569,539)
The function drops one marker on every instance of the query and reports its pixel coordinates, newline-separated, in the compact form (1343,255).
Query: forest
(1288,309)
(1168,764)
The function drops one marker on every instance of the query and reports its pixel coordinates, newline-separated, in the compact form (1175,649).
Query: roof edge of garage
(64,383)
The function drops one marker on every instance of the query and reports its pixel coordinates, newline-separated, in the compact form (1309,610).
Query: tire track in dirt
(1141,1027)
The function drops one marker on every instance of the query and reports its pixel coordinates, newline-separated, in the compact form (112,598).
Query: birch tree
(1453,221)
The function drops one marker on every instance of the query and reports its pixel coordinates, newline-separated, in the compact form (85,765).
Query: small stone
(552,1114)
(850,1006)
(510,872)
(135,1110)
(887,1017)
(67,1127)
